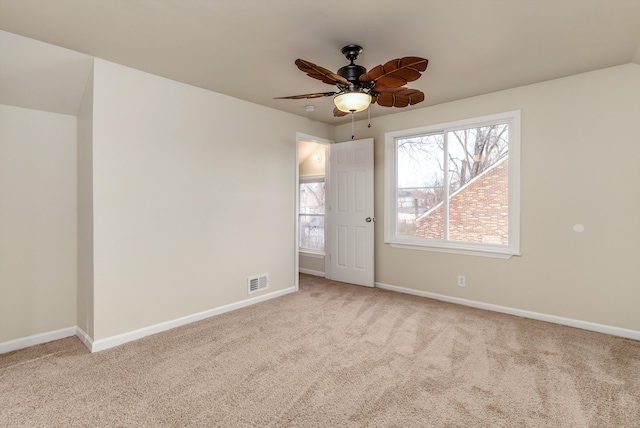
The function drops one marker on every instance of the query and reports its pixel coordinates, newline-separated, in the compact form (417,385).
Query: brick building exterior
(478,211)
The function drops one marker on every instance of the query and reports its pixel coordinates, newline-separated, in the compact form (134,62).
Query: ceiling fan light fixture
(352,102)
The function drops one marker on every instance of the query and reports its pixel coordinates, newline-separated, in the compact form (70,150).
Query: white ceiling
(247,48)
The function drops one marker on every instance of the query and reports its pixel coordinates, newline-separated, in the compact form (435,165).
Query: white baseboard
(585,325)
(36,339)
(110,342)
(102,344)
(84,338)
(311,272)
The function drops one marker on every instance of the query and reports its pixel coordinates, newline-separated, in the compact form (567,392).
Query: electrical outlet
(462,281)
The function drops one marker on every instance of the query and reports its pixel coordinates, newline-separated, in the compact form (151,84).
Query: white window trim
(466,248)
(317,254)
(321,178)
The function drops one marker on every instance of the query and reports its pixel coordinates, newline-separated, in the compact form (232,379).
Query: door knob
(368,219)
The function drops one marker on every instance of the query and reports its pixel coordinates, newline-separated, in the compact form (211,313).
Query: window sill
(311,253)
(496,253)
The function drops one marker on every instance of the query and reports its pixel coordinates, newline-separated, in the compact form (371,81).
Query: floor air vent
(257,283)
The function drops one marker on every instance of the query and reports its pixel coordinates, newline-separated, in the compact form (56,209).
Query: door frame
(327,219)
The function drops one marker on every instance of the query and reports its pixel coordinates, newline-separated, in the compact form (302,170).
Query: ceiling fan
(357,88)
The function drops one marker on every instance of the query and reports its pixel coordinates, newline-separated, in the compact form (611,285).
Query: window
(454,187)
(311,217)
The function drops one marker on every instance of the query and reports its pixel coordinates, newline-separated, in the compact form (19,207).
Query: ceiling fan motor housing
(352,72)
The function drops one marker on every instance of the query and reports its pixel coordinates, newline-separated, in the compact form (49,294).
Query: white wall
(85,209)
(580,164)
(193,192)
(184,193)
(37,222)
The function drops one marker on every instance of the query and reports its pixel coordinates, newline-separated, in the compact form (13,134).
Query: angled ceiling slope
(41,76)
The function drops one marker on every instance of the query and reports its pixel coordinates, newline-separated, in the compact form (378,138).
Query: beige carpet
(333,355)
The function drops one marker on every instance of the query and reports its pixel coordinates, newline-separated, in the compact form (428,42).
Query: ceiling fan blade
(321,73)
(307,96)
(395,73)
(338,113)
(399,97)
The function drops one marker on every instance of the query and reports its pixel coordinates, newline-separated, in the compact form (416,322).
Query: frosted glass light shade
(352,101)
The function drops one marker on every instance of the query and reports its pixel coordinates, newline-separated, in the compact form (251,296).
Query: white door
(351,211)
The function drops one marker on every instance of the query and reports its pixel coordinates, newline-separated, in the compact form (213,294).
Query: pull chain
(369,117)
(353,133)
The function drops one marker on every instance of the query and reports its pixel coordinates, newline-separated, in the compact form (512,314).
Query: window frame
(512,118)
(311,251)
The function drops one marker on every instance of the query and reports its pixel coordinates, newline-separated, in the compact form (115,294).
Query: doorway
(311,193)
(334,210)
